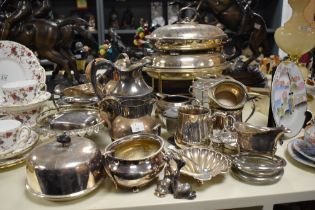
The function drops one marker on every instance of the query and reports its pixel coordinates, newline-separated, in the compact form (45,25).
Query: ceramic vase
(296,37)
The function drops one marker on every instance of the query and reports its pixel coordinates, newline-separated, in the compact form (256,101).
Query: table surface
(222,192)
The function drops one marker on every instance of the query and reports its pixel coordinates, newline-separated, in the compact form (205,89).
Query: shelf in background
(122,31)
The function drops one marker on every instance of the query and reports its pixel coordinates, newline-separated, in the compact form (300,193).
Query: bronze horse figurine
(238,17)
(51,39)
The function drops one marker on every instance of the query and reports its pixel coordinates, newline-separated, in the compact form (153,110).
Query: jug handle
(96,64)
(253,107)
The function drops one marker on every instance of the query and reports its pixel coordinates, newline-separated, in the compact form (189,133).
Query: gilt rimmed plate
(288,97)
(38,100)
(23,145)
(19,63)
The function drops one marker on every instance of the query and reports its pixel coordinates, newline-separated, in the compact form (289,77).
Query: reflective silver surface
(64,170)
(171,120)
(185,61)
(129,114)
(130,83)
(258,165)
(184,74)
(256,180)
(166,102)
(187,35)
(210,161)
(187,31)
(258,139)
(134,161)
(201,85)
(227,94)
(74,120)
(194,126)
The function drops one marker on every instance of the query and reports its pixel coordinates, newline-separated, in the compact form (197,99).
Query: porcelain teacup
(11,131)
(21,92)
(309,135)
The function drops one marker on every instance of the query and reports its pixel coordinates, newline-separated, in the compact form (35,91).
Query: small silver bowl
(210,163)
(135,160)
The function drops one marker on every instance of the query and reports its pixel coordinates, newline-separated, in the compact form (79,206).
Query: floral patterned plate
(19,63)
(10,162)
(304,148)
(41,98)
(27,114)
(21,147)
(288,97)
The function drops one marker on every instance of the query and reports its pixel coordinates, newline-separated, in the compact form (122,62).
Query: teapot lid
(123,63)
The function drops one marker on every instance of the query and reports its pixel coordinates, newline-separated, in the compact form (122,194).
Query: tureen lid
(187,29)
(63,153)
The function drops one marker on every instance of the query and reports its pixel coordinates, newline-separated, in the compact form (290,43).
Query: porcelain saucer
(42,97)
(304,148)
(22,146)
(10,162)
(298,157)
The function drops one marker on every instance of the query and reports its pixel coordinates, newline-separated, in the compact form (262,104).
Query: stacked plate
(258,168)
(302,151)
(21,101)
(18,63)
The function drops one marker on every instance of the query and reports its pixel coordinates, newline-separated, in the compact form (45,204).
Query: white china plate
(298,157)
(13,161)
(304,148)
(288,97)
(19,63)
(24,145)
(42,97)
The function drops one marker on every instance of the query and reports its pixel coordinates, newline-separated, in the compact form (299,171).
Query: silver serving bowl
(203,163)
(73,120)
(134,161)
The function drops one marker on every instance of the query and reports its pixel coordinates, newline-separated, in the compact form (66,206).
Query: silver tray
(256,180)
(258,164)
(70,120)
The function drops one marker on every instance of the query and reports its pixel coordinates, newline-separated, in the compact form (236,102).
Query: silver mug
(194,126)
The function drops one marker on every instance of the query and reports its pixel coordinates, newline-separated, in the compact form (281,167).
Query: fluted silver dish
(210,163)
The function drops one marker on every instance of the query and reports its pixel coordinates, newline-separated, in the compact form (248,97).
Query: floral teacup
(21,92)
(10,132)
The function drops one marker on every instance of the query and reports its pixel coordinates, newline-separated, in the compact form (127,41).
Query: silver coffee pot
(122,79)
